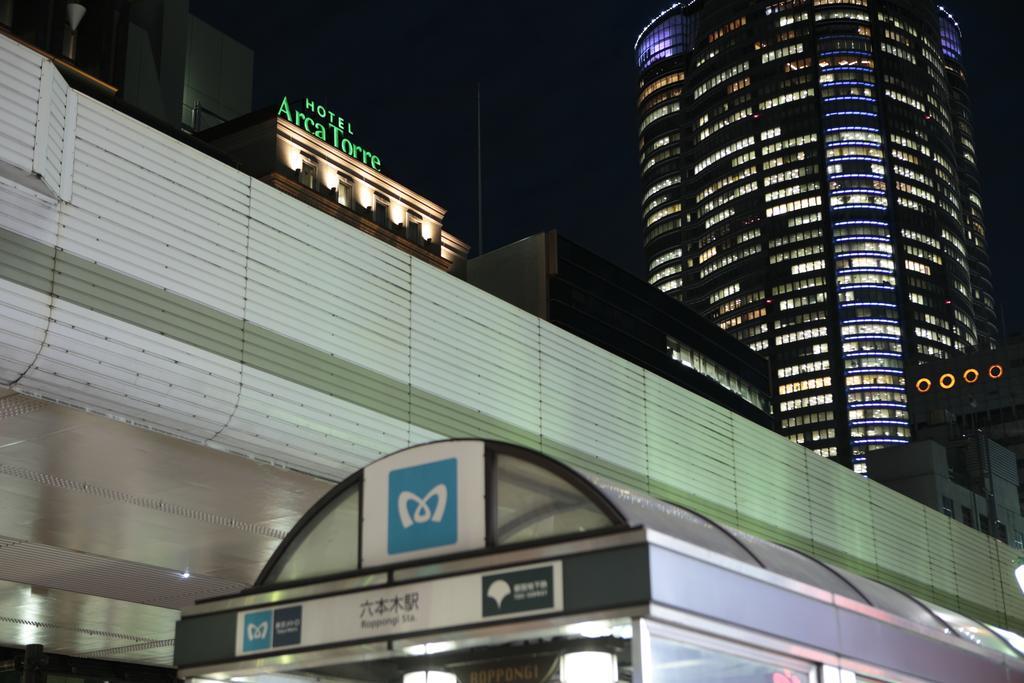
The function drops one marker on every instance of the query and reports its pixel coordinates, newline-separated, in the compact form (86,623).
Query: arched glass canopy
(393,512)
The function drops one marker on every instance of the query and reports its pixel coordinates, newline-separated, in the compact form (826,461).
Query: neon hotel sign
(325,124)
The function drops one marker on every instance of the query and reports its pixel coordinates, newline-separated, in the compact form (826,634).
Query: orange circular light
(947,381)
(996,371)
(971,375)
(924,385)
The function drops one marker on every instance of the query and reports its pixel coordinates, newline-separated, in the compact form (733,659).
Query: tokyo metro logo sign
(423,506)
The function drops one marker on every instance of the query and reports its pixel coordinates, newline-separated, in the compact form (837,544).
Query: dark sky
(558,88)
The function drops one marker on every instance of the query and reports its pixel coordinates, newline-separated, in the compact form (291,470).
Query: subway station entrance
(474,561)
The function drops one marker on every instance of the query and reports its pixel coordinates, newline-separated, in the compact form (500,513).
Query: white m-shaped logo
(257,631)
(422,513)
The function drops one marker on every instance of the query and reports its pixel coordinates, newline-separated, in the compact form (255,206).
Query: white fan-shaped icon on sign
(498,591)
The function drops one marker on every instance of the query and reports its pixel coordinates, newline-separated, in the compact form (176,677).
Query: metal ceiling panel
(85,625)
(78,481)
(46,566)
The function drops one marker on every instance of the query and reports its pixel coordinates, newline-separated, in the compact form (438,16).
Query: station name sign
(323,123)
(388,612)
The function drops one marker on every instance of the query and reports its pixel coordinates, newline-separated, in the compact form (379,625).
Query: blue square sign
(423,506)
(256,631)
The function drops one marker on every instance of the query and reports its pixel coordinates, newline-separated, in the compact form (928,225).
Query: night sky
(558,86)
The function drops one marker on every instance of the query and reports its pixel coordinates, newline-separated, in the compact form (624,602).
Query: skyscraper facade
(809,183)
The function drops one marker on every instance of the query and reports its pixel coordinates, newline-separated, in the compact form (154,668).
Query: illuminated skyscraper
(809,183)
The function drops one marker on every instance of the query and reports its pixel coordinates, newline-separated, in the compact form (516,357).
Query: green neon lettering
(356,150)
(375,162)
(320,131)
(366,156)
(310,104)
(348,149)
(320,111)
(330,115)
(285,109)
(350,129)
(337,135)
(299,118)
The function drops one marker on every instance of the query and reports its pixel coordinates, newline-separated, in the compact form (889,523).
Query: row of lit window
(740,302)
(800,319)
(785,99)
(725,182)
(723,199)
(730,258)
(723,153)
(808,419)
(798,285)
(801,301)
(800,335)
(805,402)
(789,143)
(748,316)
(814,435)
(658,113)
(661,83)
(796,205)
(720,78)
(724,123)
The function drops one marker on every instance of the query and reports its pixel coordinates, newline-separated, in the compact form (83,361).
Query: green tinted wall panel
(901,550)
(695,467)
(841,519)
(771,484)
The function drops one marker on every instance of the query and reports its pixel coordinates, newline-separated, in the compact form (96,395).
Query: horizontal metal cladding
(20,75)
(28,229)
(901,549)
(979,588)
(841,517)
(95,361)
(484,360)
(48,155)
(938,531)
(1013,600)
(87,284)
(280,421)
(319,292)
(691,449)
(771,487)
(592,403)
(24,314)
(159,211)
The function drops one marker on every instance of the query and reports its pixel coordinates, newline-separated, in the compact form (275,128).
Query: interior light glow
(587,667)
(429,677)
(600,629)
(294,158)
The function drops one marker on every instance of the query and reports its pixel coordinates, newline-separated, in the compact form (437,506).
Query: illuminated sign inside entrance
(325,124)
